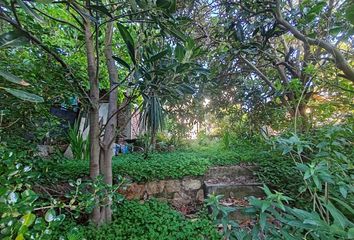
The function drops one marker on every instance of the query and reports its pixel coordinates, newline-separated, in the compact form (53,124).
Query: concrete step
(238,182)
(234,190)
(229,172)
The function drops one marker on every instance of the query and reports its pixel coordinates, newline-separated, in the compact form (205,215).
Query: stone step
(229,172)
(234,190)
(238,191)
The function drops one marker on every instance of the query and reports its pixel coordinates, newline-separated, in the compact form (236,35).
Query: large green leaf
(179,52)
(344,204)
(26,96)
(14,79)
(128,41)
(337,215)
(158,56)
(121,62)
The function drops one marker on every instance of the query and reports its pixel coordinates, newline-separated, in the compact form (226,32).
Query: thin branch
(117,85)
(259,73)
(15,13)
(126,103)
(58,20)
(341,62)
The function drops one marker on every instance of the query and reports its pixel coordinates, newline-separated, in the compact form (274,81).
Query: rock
(180,198)
(44,150)
(155,187)
(173,186)
(191,184)
(200,196)
(171,148)
(69,153)
(134,191)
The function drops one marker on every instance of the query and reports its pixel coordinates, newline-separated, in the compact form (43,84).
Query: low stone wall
(188,190)
(232,181)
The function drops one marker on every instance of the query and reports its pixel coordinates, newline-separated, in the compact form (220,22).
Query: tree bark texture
(110,130)
(94,110)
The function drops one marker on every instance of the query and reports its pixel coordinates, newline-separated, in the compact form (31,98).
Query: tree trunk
(93,114)
(153,140)
(304,121)
(110,129)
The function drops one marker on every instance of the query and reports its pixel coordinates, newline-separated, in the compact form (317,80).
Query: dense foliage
(169,165)
(149,220)
(213,83)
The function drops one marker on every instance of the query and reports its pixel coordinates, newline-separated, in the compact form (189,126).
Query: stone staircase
(234,182)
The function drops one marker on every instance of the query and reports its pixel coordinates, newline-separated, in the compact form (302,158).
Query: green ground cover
(168,165)
(149,221)
(274,170)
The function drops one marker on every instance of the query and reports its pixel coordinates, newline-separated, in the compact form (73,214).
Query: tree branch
(259,73)
(340,62)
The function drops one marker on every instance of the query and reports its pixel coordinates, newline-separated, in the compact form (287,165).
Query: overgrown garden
(118,117)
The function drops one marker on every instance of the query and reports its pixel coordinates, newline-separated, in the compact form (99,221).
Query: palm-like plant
(165,76)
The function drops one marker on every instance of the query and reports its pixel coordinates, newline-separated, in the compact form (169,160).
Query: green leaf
(121,62)
(315,222)
(24,95)
(50,215)
(12,198)
(173,6)
(101,9)
(29,11)
(20,237)
(343,190)
(335,30)
(14,79)
(158,56)
(134,5)
(163,4)
(351,233)
(307,174)
(265,206)
(179,52)
(349,13)
(302,167)
(317,182)
(171,29)
(28,219)
(262,220)
(128,41)
(343,204)
(337,215)
(317,8)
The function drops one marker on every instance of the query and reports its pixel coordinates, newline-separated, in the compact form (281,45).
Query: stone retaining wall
(188,190)
(191,190)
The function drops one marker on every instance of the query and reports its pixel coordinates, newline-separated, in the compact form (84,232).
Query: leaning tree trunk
(111,125)
(94,111)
